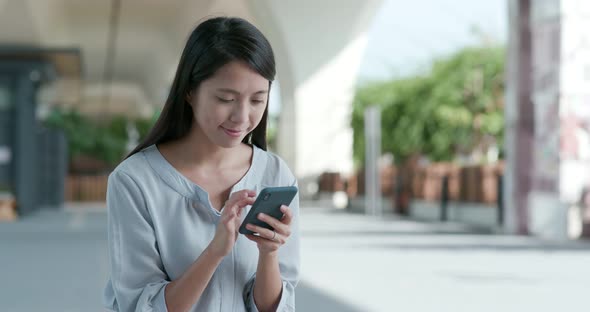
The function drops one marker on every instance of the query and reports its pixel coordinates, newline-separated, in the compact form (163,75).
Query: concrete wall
(319,49)
(483,216)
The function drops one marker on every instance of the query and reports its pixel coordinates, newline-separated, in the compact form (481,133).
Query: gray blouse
(159,222)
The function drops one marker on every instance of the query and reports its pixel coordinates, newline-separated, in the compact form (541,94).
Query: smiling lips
(232,132)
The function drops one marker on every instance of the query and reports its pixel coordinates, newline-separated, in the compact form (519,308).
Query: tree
(455,109)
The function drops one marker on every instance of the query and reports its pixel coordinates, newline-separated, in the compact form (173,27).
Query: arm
(137,274)
(268,284)
(182,293)
(138,278)
(273,287)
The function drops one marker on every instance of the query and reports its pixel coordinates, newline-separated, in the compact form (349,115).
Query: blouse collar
(191,190)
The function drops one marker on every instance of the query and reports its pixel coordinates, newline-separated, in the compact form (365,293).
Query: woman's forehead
(238,77)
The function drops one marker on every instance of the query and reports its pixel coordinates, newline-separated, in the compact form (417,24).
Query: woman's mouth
(232,132)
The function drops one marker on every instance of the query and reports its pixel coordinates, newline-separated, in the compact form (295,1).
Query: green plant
(106,141)
(453,109)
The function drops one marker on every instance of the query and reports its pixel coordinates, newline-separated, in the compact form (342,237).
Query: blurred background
(442,147)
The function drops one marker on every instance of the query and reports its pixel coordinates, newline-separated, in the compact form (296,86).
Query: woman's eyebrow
(227,90)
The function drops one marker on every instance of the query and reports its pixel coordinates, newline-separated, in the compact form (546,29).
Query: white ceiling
(149,37)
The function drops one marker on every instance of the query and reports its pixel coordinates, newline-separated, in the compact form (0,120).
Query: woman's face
(230,104)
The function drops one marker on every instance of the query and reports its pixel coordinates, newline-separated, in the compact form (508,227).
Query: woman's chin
(229,143)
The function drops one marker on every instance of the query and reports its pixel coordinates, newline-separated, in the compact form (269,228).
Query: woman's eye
(256,101)
(225,100)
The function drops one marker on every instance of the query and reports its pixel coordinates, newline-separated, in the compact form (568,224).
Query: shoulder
(127,182)
(133,168)
(276,170)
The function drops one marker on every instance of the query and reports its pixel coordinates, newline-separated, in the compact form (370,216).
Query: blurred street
(349,263)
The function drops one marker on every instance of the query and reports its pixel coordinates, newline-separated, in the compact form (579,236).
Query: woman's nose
(239,113)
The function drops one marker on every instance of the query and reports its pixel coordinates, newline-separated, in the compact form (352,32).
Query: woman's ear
(189,97)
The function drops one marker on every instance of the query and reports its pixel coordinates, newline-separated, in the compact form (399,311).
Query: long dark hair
(212,44)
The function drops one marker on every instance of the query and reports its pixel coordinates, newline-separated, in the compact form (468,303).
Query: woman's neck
(196,150)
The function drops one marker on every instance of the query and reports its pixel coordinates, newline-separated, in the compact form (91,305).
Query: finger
(258,239)
(276,224)
(242,194)
(265,233)
(252,237)
(287,215)
(244,202)
(239,195)
(236,197)
(237,207)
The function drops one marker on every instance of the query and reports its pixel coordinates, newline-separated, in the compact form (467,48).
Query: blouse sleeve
(289,262)
(138,278)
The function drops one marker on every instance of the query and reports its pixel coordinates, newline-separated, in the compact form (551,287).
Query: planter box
(480,183)
(86,188)
(7,208)
(433,181)
(470,184)
(356,184)
(330,182)
(482,216)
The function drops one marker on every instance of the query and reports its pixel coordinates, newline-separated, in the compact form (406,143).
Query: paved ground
(56,261)
(397,265)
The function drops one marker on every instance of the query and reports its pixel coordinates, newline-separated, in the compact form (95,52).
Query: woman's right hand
(227,229)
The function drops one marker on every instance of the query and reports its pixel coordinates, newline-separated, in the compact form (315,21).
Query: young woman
(175,204)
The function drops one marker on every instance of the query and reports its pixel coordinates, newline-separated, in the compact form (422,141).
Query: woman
(175,204)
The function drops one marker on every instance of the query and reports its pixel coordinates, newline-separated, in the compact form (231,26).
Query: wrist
(213,252)
(268,255)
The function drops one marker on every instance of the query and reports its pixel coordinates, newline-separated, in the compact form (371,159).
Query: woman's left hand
(269,241)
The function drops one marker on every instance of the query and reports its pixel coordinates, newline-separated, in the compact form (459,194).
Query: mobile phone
(269,202)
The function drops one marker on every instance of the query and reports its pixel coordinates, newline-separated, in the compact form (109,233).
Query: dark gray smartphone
(269,202)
